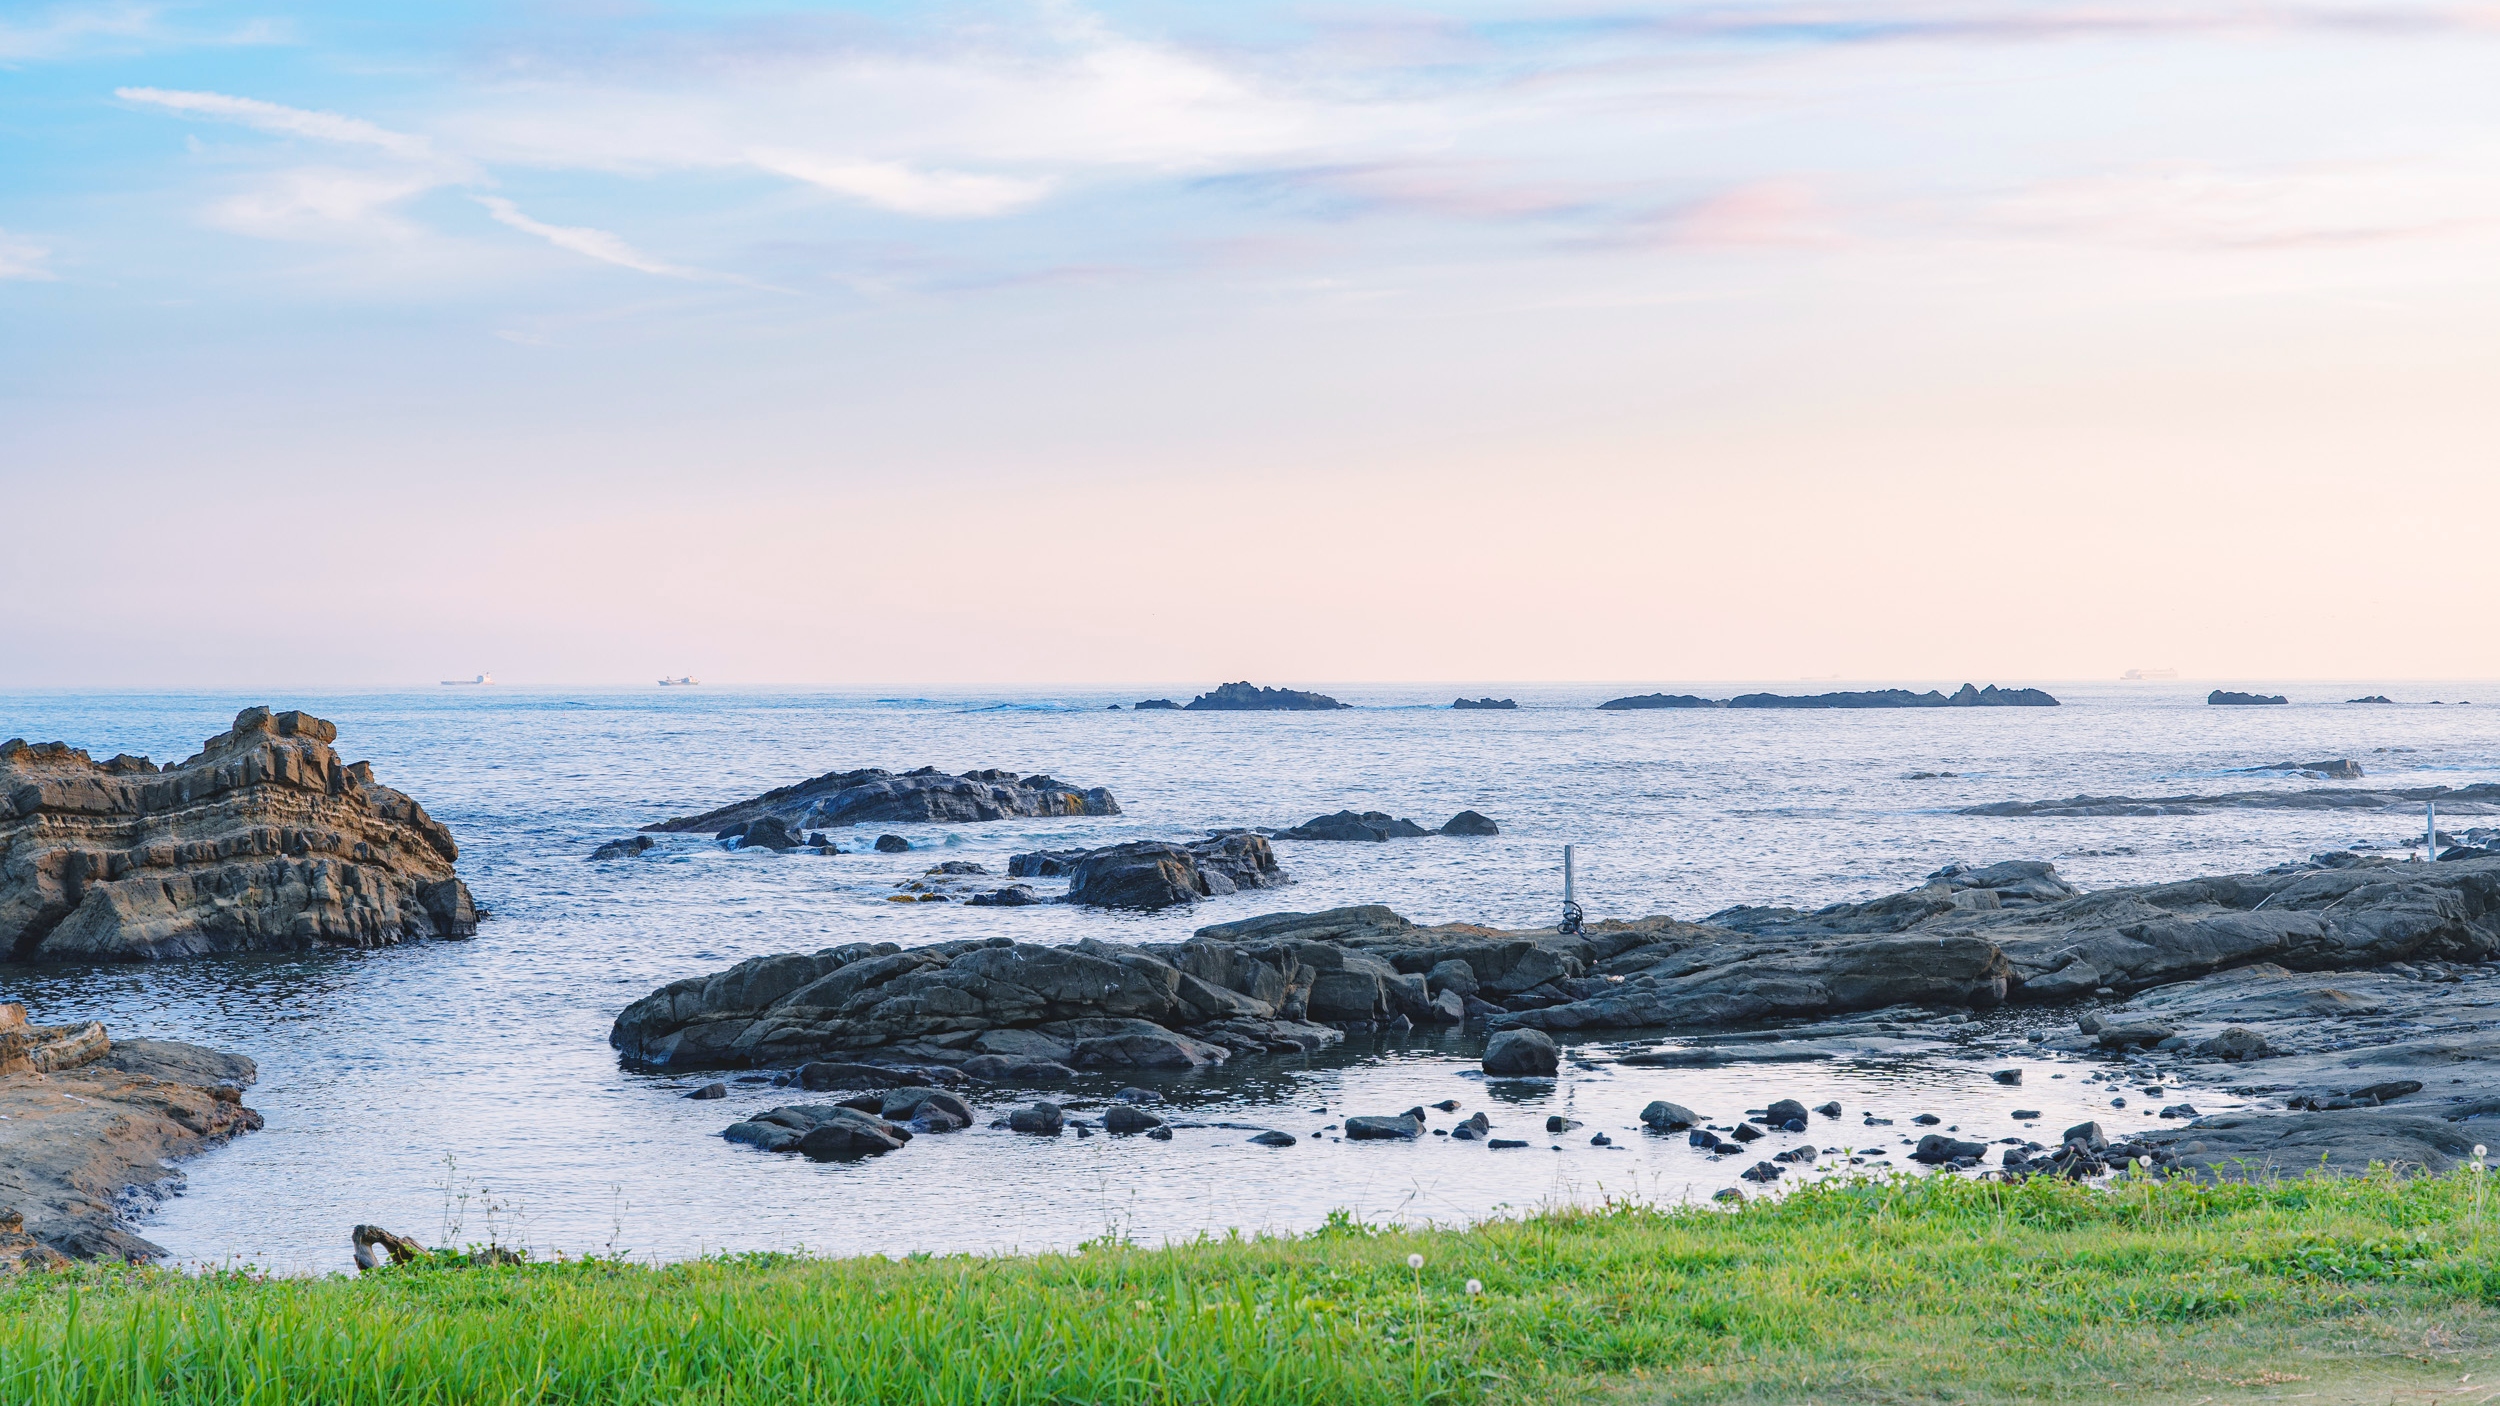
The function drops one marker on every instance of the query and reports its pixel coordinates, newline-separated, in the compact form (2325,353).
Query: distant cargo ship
(2150,674)
(681,681)
(468,683)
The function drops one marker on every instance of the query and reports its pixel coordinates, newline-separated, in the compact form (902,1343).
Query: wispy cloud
(590,243)
(20,259)
(73,31)
(2312,206)
(285,121)
(892,185)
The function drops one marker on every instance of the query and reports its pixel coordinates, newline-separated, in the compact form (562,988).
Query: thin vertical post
(2430,830)
(1570,886)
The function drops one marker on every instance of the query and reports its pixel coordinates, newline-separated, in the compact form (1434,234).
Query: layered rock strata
(87,1124)
(265,841)
(877,796)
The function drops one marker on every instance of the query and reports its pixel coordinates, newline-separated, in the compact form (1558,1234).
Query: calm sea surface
(462,1090)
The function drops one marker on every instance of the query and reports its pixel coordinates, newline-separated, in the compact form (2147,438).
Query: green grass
(1906,1290)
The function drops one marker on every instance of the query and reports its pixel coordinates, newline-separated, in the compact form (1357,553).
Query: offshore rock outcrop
(877,796)
(1485,704)
(1967,696)
(1246,697)
(2481,798)
(265,841)
(1150,874)
(2222,698)
(84,1120)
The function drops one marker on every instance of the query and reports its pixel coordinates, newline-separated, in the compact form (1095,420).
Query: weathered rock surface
(1517,1054)
(1468,822)
(1968,696)
(2225,698)
(101,1118)
(2482,798)
(1245,697)
(878,796)
(1466,703)
(265,841)
(624,849)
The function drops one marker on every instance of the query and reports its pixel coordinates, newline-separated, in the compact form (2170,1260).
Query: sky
(1028,343)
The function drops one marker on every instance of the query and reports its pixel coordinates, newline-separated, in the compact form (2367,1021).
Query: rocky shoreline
(86,1127)
(1968,696)
(2328,980)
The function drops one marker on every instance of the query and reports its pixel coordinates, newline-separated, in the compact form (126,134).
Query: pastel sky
(372,343)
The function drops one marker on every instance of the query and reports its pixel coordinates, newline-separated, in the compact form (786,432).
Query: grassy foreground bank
(1905,1290)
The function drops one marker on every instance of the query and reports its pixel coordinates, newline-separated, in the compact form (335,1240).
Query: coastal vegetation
(1938,1288)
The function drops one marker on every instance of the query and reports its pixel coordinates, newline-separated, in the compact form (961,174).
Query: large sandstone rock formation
(84,1120)
(265,841)
(877,796)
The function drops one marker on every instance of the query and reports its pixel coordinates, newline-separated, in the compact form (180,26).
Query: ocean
(463,1091)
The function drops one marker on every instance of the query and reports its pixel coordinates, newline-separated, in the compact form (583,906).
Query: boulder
(1012,896)
(1514,1054)
(712,1090)
(1468,822)
(1452,975)
(1375,1128)
(2237,1042)
(893,844)
(1666,1117)
(1128,1118)
(768,832)
(263,842)
(1273,1138)
(1785,1112)
(1939,1148)
(1043,1117)
(1150,874)
(625,848)
(1044,864)
(876,796)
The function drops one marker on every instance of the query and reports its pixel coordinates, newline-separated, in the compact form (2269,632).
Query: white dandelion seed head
(1475,1286)
(1414,1261)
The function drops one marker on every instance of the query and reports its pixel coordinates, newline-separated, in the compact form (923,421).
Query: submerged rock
(625,848)
(877,796)
(264,842)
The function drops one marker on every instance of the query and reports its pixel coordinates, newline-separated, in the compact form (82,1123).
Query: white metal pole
(2430,830)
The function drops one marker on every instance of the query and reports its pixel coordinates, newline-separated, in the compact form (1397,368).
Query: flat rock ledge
(264,842)
(89,1125)
(1288,982)
(880,797)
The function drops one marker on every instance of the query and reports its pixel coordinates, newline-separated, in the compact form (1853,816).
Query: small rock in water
(1501,1142)
(1137,1095)
(1447,1105)
(2007,1076)
(2026,1114)
(1521,1054)
(1762,1171)
(1728,1193)
(1160,1133)
(1747,1132)
(1784,1112)
(1039,1117)
(710,1091)
(1127,1118)
(1927,1120)
(1667,1117)
(1376,1128)
(892,844)
(1828,1110)
(2181,1110)
(1556,1123)
(1601,1140)
(1273,1138)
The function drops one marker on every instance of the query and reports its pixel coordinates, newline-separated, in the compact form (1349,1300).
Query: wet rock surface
(875,796)
(86,1123)
(263,842)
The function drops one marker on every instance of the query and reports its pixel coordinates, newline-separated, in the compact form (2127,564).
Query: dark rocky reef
(2324,769)
(2479,798)
(877,796)
(1464,704)
(265,841)
(1246,697)
(1370,825)
(2225,698)
(86,1122)
(1968,696)
(2373,698)
(1150,705)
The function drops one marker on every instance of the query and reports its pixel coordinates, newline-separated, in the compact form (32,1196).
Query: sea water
(463,1091)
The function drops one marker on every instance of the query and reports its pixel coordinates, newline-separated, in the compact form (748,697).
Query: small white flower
(1414,1261)
(2143,1162)
(1475,1286)
(2481,1152)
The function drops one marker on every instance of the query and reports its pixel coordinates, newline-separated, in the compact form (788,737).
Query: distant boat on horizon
(2139,674)
(681,681)
(468,683)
